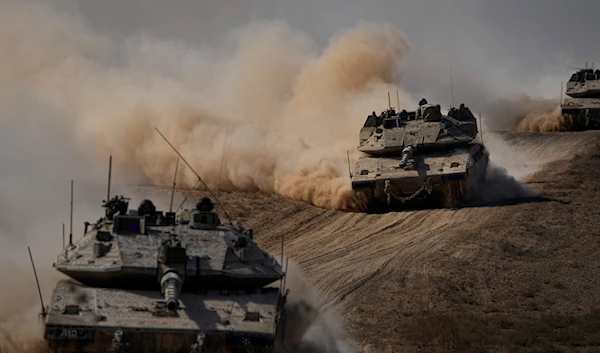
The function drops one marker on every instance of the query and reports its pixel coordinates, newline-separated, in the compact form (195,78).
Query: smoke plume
(39,158)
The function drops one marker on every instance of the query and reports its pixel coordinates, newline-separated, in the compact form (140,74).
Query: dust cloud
(545,122)
(525,114)
(309,327)
(280,114)
(39,159)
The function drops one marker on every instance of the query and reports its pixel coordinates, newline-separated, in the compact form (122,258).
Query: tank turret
(170,284)
(144,282)
(420,155)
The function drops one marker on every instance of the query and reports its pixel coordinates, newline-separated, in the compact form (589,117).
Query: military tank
(582,106)
(144,280)
(420,158)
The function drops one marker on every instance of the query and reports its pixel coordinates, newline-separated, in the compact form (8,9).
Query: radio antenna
(71,218)
(389,102)
(109,175)
(561,91)
(349,168)
(451,86)
(481,128)
(186,196)
(223,154)
(397,100)
(197,175)
(174,183)
(38,282)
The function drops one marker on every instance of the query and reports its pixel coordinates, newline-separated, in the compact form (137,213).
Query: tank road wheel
(452,194)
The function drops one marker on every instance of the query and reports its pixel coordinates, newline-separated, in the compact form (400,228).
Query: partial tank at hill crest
(582,106)
(144,280)
(421,157)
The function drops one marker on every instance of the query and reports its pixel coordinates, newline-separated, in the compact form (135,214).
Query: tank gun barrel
(170,284)
(407,154)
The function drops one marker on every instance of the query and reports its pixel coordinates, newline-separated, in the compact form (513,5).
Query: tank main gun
(407,153)
(170,283)
(172,258)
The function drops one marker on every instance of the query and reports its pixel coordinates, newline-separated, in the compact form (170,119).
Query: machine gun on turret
(117,204)
(172,260)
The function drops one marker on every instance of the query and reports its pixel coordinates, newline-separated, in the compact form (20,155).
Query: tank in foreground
(420,158)
(582,106)
(147,281)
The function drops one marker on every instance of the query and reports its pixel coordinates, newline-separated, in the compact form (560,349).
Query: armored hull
(420,158)
(582,107)
(92,319)
(144,281)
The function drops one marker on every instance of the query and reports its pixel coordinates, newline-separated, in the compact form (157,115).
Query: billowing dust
(289,113)
(311,327)
(526,114)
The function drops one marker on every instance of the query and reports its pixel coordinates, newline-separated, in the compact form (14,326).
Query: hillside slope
(503,278)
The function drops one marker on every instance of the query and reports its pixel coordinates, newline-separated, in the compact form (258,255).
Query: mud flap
(197,347)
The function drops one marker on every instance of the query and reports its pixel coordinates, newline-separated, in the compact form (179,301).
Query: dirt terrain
(513,277)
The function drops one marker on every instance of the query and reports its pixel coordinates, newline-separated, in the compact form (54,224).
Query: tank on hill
(582,105)
(144,280)
(420,157)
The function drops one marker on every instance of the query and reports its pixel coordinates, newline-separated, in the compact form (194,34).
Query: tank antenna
(197,175)
(284,278)
(398,99)
(38,282)
(174,183)
(282,238)
(349,169)
(481,128)
(223,154)
(109,177)
(451,85)
(71,218)
(389,102)
(561,91)
(63,234)
(186,196)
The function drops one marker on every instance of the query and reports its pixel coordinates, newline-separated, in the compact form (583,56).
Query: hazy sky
(508,46)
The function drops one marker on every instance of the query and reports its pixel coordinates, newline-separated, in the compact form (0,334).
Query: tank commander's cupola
(203,217)
(146,208)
